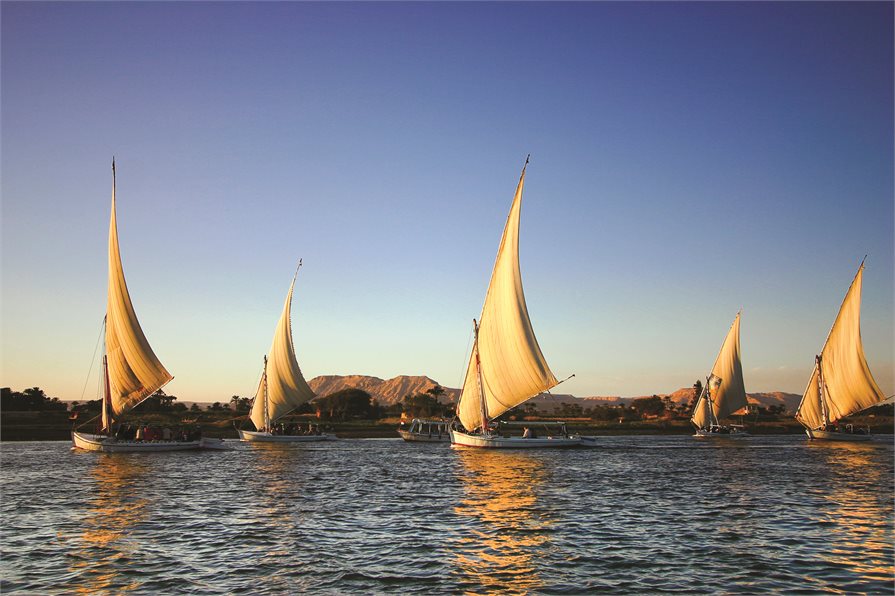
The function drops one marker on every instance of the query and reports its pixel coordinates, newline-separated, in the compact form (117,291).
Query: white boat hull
(424,438)
(733,434)
(265,437)
(461,439)
(827,435)
(106,444)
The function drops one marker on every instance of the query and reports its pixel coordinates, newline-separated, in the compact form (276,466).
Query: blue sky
(688,160)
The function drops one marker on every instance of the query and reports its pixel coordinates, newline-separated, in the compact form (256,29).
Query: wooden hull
(105,444)
(263,437)
(461,439)
(827,435)
(424,438)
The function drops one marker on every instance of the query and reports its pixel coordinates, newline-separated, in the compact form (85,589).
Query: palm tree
(697,391)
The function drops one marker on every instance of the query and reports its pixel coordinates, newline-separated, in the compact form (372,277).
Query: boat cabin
(422,426)
(426,430)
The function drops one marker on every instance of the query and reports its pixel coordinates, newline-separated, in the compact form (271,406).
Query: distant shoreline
(55,426)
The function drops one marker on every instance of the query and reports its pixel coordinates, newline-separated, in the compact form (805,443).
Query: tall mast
(478,369)
(266,414)
(107,393)
(820,389)
(107,397)
(708,401)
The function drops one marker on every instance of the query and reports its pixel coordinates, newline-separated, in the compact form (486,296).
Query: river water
(637,515)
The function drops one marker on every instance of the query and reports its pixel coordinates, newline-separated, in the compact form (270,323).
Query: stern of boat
(87,441)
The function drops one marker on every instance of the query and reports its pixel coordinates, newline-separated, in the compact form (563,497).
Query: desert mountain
(393,390)
(765,400)
(386,393)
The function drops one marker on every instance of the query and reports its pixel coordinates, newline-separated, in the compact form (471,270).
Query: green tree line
(29,400)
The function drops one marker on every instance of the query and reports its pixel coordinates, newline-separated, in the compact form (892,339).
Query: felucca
(282,388)
(724,392)
(841,383)
(131,371)
(506,367)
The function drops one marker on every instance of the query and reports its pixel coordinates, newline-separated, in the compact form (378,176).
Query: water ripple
(637,515)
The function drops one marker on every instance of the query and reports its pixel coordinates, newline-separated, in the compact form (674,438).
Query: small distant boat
(506,367)
(282,388)
(424,430)
(841,384)
(724,392)
(131,370)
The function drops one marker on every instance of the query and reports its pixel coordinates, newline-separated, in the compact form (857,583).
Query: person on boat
(139,434)
(526,433)
(166,434)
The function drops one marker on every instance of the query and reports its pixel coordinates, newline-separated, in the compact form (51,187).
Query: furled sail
(511,368)
(286,387)
(847,385)
(134,371)
(727,392)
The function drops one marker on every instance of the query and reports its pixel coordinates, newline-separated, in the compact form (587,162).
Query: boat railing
(428,426)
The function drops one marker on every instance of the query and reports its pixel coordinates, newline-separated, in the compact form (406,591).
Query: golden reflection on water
(275,476)
(861,523)
(271,473)
(500,495)
(117,506)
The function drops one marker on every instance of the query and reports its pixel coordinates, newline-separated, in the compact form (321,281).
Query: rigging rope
(93,358)
(465,362)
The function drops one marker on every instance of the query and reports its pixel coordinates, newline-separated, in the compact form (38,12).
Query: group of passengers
(295,429)
(845,428)
(718,429)
(148,433)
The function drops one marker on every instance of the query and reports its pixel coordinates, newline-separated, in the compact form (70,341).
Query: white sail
(134,371)
(286,387)
(847,385)
(702,416)
(810,411)
(511,368)
(727,392)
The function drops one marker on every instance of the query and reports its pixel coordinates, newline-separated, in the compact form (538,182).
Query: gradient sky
(687,160)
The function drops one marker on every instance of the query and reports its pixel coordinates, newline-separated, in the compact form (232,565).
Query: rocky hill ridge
(393,390)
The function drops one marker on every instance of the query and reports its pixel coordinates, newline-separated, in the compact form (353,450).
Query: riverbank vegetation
(353,413)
